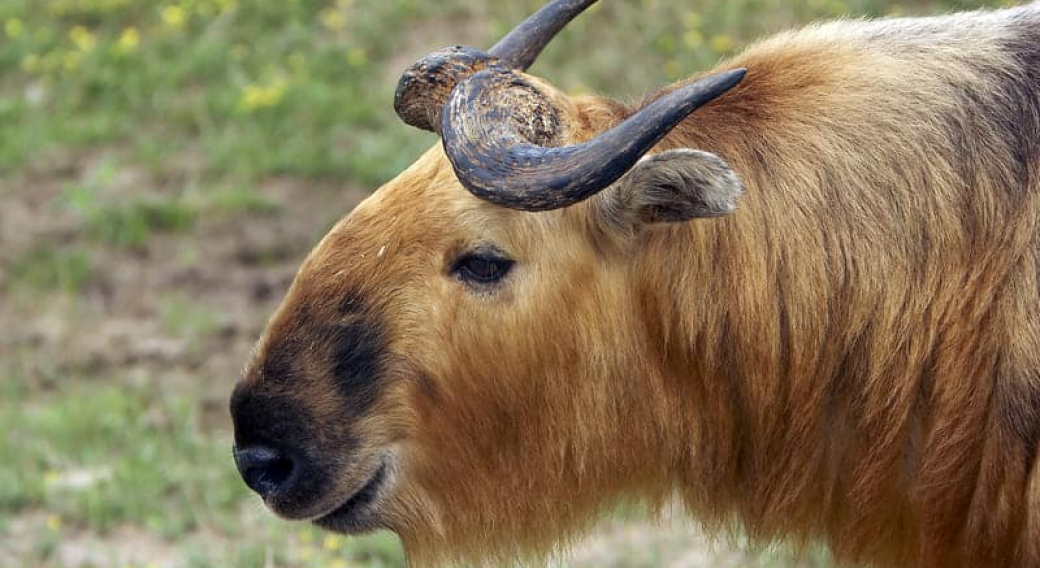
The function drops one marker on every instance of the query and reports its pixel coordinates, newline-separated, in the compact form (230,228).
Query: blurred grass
(302,87)
(210,98)
(101,456)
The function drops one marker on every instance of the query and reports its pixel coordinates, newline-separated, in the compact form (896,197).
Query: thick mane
(862,354)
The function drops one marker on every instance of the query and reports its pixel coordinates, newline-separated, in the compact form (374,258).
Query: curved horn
(424,87)
(496,127)
(520,47)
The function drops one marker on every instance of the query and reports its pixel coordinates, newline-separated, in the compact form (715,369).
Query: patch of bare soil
(183,307)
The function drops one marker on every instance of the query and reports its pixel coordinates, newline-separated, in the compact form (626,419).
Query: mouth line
(354,508)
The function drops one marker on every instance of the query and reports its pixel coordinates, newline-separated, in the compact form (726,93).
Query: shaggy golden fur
(852,357)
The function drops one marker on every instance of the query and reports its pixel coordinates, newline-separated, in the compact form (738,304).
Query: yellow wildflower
(692,19)
(82,38)
(333,19)
(333,542)
(262,96)
(173,16)
(693,39)
(338,563)
(357,57)
(13,28)
(128,40)
(722,43)
(70,60)
(54,522)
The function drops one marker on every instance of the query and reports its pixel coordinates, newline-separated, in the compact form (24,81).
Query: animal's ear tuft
(677,185)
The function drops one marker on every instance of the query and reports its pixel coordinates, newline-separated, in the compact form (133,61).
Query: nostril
(268,478)
(263,469)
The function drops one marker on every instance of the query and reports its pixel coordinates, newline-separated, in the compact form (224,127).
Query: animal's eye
(481,268)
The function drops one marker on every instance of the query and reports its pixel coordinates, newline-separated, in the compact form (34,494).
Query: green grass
(129,225)
(302,87)
(103,454)
(240,199)
(97,456)
(48,268)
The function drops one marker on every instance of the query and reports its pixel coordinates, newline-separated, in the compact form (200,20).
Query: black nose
(264,470)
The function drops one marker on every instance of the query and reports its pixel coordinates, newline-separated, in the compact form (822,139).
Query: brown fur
(852,357)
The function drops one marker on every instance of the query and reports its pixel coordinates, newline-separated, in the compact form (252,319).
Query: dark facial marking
(267,419)
(357,360)
(358,343)
(340,361)
(314,380)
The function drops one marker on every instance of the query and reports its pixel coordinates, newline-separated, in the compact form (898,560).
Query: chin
(363,510)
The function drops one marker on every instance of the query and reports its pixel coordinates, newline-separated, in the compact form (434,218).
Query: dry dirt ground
(231,268)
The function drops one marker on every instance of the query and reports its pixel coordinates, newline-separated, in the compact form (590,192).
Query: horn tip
(719,83)
(734,76)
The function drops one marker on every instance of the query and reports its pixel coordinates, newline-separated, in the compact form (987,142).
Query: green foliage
(128,224)
(182,316)
(101,455)
(303,87)
(49,268)
(238,199)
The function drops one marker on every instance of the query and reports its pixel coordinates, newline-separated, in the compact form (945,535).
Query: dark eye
(481,268)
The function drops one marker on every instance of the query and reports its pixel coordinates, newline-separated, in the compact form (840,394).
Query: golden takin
(810,309)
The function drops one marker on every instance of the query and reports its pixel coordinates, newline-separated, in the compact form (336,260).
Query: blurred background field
(164,167)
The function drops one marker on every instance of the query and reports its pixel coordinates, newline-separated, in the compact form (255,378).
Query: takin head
(468,368)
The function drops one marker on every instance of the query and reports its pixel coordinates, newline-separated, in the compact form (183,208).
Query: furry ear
(677,185)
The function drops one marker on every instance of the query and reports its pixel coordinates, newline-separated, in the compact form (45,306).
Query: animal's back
(893,175)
